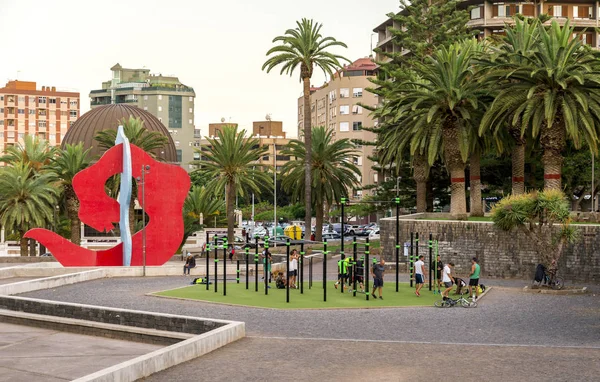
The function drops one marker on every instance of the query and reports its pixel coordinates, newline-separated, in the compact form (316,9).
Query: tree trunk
(475,182)
(308,158)
(518,169)
(319,223)
(456,167)
(73,213)
(420,176)
(24,245)
(552,141)
(230,202)
(429,197)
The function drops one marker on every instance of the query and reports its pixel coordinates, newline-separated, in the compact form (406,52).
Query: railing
(169,89)
(99,91)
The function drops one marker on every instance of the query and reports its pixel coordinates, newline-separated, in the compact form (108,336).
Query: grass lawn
(312,298)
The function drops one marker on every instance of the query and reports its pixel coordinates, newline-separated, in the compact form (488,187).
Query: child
(460,283)
(280,281)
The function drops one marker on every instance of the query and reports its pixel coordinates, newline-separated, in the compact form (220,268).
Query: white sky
(217,47)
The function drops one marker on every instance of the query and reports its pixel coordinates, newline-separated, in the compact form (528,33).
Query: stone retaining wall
(115,316)
(500,254)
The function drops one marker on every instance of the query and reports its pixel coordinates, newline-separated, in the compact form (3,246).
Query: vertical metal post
(430,245)
(144,218)
(341,266)
(266,270)
(287,259)
(397,242)
(367,269)
(354,261)
(410,262)
(417,249)
(207,252)
(310,272)
(302,268)
(225,244)
(216,261)
(247,266)
(325,270)
(256,265)
(237,272)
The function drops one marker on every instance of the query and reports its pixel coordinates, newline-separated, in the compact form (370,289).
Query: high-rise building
(337,105)
(46,113)
(163,96)
(489,18)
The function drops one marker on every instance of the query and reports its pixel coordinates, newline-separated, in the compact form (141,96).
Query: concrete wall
(501,254)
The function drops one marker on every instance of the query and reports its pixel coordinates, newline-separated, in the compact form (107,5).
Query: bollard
(325,270)
(287,269)
(397,241)
(354,260)
(367,269)
(410,263)
(302,268)
(256,265)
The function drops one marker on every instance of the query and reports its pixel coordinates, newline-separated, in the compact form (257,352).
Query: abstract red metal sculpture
(166,189)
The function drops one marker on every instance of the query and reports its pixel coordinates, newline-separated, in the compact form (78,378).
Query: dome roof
(107,117)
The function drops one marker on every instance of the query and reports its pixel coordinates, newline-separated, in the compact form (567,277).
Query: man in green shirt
(474,278)
(342,271)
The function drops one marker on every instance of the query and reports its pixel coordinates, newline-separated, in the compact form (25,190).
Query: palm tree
(304,46)
(555,92)
(138,135)
(27,199)
(199,204)
(68,162)
(34,152)
(516,48)
(230,163)
(437,113)
(332,168)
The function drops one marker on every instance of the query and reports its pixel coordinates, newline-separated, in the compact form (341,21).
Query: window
(1,98)
(1,122)
(356,126)
(145,98)
(177,143)
(357,92)
(42,135)
(145,107)
(31,111)
(22,99)
(475,13)
(21,135)
(191,110)
(42,112)
(32,124)
(52,101)
(63,125)
(52,137)
(52,125)
(344,126)
(331,96)
(344,109)
(190,121)
(1,110)
(190,99)
(63,101)
(10,134)
(556,10)
(196,155)
(357,109)
(64,112)
(160,97)
(42,124)
(344,93)
(575,12)
(21,111)
(160,108)
(41,99)
(2,133)
(73,113)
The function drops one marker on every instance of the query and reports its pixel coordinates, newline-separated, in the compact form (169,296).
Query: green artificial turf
(312,298)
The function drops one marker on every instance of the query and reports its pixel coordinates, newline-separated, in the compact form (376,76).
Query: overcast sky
(217,47)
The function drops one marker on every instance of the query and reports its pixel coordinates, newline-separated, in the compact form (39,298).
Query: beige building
(163,96)
(336,106)
(489,17)
(268,133)
(45,113)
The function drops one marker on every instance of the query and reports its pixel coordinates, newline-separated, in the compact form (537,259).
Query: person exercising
(474,279)
(419,275)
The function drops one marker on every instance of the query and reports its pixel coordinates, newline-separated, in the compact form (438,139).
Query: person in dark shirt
(190,262)
(378,270)
(440,267)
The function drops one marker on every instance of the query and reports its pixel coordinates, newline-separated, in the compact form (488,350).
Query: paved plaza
(29,354)
(510,335)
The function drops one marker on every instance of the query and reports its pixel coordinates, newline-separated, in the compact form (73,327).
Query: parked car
(332,236)
(374,234)
(351,229)
(238,242)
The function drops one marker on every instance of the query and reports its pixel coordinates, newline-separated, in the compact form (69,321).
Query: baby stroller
(542,277)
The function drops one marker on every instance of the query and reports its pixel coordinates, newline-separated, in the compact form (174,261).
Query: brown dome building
(107,117)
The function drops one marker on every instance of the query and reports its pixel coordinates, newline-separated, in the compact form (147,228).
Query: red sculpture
(165,192)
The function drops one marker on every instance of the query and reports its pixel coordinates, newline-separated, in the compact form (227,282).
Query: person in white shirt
(447,279)
(293,268)
(419,275)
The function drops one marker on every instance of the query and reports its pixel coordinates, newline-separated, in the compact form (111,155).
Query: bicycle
(449,302)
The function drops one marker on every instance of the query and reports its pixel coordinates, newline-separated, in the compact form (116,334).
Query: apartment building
(25,109)
(165,97)
(336,105)
(269,134)
(489,17)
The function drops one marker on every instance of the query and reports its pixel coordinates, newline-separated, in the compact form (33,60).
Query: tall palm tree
(33,151)
(305,46)
(27,199)
(555,92)
(437,113)
(66,165)
(230,163)
(332,168)
(138,135)
(515,48)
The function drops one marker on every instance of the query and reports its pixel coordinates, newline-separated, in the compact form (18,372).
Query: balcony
(167,88)
(99,91)
(99,103)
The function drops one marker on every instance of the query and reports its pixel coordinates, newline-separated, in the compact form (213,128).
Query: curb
(559,292)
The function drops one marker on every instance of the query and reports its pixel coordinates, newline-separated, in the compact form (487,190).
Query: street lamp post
(274,191)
